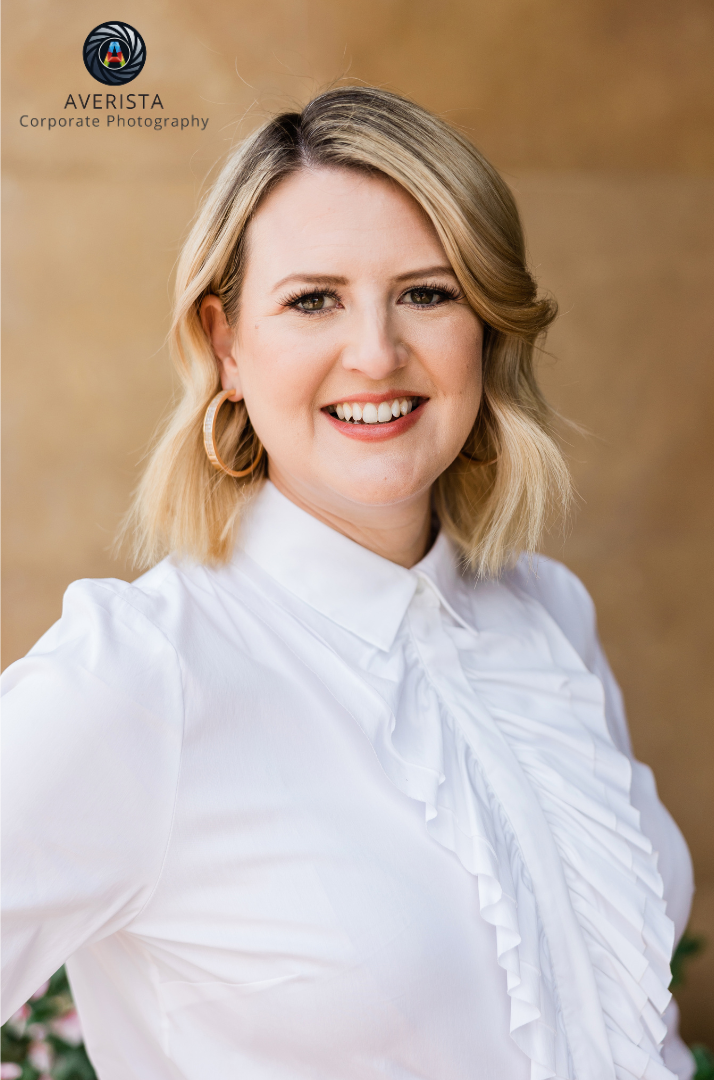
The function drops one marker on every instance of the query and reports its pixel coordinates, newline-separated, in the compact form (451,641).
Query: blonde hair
(492,511)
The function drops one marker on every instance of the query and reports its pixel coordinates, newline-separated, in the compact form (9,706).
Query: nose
(374,348)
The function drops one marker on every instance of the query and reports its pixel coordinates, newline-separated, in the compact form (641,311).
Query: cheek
(280,377)
(454,359)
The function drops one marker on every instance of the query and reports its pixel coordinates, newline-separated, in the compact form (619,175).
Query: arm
(91,742)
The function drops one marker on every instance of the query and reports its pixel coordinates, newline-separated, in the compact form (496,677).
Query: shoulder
(149,607)
(562,594)
(149,601)
(564,597)
(117,633)
(153,637)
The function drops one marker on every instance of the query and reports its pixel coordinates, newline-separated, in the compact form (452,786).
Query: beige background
(600,115)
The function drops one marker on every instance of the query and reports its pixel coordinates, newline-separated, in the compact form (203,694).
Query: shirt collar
(357,589)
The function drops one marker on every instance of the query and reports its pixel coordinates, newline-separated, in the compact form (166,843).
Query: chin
(385,490)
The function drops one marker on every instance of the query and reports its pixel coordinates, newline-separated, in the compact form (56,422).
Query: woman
(342,787)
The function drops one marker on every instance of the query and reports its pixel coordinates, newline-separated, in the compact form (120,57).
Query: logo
(114,53)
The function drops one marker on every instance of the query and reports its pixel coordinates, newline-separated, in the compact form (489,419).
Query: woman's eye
(425,297)
(316,302)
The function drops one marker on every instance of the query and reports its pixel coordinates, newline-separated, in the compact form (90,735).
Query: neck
(399,532)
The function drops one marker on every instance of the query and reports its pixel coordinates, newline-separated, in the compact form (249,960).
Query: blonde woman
(342,787)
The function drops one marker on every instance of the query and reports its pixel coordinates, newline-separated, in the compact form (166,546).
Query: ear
(222,339)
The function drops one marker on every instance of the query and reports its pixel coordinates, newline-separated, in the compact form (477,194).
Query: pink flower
(39,1054)
(68,1028)
(10,1071)
(41,992)
(19,1019)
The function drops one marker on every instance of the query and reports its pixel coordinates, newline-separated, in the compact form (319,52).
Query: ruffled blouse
(489,709)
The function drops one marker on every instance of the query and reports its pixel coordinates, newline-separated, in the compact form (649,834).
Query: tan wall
(599,113)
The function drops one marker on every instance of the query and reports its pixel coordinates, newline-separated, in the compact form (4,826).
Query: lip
(375,399)
(376,432)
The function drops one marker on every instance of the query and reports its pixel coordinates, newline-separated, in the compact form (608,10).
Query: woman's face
(349,310)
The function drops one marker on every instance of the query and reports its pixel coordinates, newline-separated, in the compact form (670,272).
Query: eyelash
(294,299)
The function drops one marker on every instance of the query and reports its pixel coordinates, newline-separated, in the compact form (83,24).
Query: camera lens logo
(114,53)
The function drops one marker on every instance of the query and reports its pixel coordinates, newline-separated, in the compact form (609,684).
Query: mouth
(366,413)
(384,417)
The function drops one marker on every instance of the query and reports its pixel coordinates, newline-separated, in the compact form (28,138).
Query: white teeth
(370,413)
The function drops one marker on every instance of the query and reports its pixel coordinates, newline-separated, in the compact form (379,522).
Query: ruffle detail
(468,726)
(507,901)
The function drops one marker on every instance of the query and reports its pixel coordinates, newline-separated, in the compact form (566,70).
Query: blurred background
(600,115)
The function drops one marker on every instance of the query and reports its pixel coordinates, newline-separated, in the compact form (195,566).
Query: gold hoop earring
(209,438)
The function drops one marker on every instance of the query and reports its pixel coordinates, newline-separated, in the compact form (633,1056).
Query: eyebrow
(311,279)
(428,271)
(331,279)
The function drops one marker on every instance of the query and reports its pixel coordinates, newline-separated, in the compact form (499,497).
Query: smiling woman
(343,787)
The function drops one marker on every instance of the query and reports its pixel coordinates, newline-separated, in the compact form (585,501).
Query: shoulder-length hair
(494,499)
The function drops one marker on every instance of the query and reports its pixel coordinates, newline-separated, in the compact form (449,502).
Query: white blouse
(315,815)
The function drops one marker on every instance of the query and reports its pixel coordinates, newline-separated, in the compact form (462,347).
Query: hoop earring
(476,461)
(209,438)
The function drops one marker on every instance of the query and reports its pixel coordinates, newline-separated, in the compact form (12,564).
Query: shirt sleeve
(92,722)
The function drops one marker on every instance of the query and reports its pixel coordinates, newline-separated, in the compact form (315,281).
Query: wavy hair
(496,497)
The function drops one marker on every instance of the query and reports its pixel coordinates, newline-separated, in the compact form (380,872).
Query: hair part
(492,511)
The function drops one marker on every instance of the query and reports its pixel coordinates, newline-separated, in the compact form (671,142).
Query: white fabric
(317,815)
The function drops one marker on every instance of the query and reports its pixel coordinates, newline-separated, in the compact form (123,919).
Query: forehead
(318,218)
